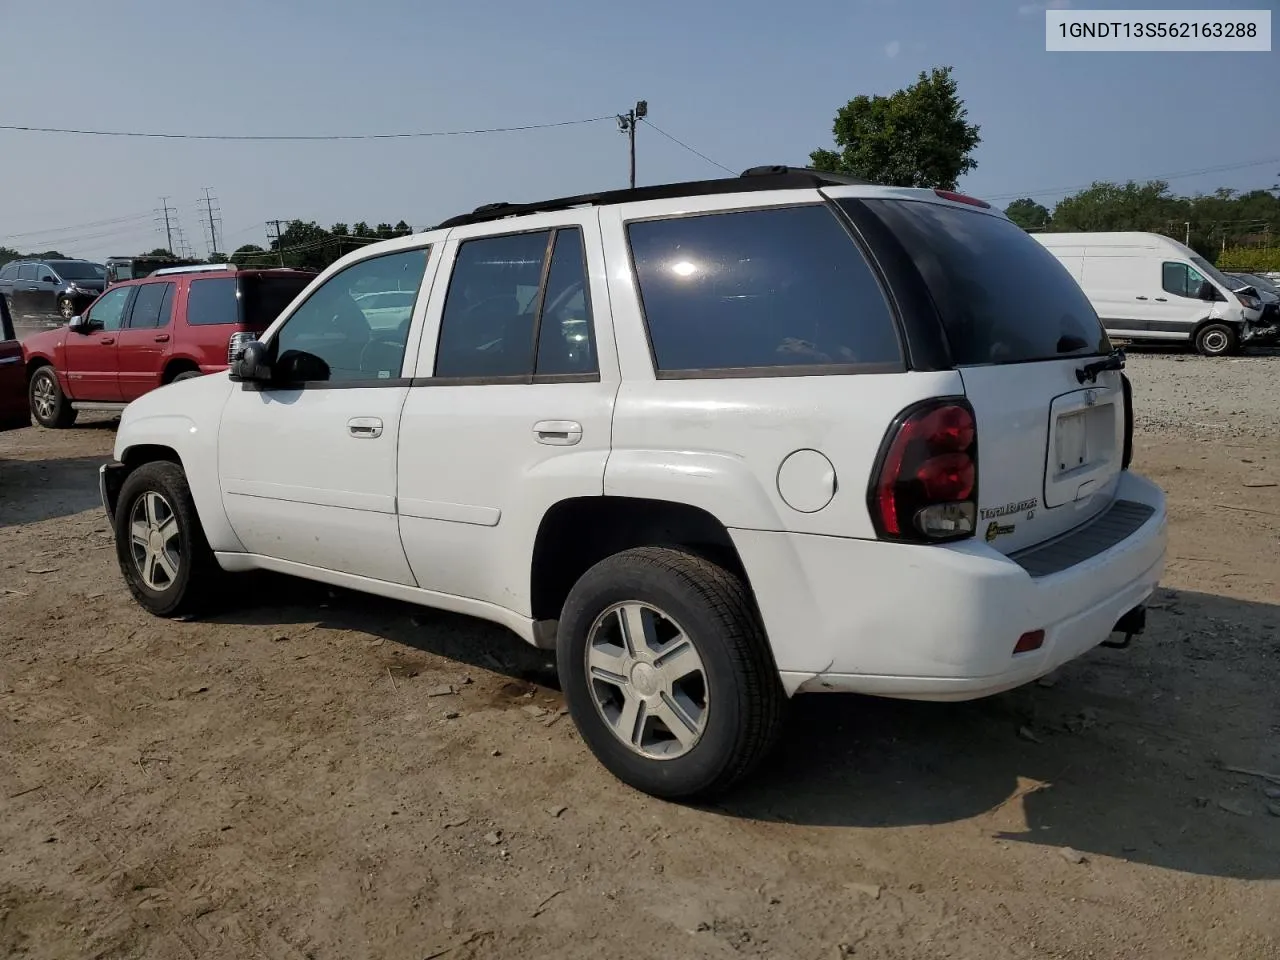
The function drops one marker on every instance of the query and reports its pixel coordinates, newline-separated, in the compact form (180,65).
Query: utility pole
(277,239)
(168,230)
(627,125)
(213,234)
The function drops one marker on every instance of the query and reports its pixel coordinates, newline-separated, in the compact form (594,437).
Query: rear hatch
(1020,332)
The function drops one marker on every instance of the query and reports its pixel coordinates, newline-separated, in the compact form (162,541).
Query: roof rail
(192,268)
(778,177)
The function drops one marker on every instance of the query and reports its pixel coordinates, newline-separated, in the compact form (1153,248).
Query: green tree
(1028,214)
(160,252)
(915,137)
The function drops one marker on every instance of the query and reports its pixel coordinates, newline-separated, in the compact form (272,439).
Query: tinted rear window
(1003,297)
(760,290)
(212,301)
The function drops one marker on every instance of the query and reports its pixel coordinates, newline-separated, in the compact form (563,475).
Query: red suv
(142,334)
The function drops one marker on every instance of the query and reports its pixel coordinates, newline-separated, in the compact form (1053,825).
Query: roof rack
(775,177)
(192,268)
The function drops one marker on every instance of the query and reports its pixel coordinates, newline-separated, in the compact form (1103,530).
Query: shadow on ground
(1095,767)
(34,490)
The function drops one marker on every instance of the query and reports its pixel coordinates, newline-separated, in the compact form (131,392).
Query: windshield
(1214,274)
(1003,297)
(78,269)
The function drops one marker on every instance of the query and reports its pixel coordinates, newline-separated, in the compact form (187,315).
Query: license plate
(1072,442)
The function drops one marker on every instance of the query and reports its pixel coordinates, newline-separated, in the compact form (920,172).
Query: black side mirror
(253,365)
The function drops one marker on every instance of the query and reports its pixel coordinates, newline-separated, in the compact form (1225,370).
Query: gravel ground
(315,774)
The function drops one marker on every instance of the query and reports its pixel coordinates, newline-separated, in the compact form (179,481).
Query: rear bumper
(940,623)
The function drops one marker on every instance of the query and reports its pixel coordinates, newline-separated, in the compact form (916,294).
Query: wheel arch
(176,365)
(576,533)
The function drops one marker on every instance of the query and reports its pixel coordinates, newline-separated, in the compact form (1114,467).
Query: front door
(145,339)
(307,462)
(89,354)
(1176,306)
(512,405)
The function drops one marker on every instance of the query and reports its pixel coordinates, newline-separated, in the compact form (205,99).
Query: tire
(66,308)
(1216,340)
(186,375)
(172,572)
(732,709)
(49,405)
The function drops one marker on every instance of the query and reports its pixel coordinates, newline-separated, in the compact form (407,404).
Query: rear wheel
(667,672)
(161,547)
(1216,340)
(49,405)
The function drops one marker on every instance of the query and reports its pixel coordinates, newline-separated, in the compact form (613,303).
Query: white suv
(717,443)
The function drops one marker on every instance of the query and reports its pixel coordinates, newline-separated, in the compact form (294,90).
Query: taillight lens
(1127,389)
(926,484)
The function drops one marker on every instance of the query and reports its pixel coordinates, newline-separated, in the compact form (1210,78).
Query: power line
(77,226)
(306,137)
(1221,168)
(696,153)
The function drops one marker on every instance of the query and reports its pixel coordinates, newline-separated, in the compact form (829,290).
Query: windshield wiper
(1113,361)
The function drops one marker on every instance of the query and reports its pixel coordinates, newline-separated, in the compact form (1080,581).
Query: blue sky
(751,82)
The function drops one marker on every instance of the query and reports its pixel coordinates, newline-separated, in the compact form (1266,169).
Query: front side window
(107,312)
(760,290)
(1182,280)
(153,306)
(344,331)
(47,275)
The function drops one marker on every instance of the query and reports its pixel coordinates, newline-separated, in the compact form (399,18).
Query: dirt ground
(323,775)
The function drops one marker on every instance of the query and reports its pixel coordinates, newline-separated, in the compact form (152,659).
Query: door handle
(1162,299)
(558,433)
(365,428)
(1140,298)
(162,338)
(107,340)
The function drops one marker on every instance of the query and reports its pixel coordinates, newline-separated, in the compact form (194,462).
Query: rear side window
(27,271)
(9,272)
(212,301)
(152,306)
(762,291)
(1003,297)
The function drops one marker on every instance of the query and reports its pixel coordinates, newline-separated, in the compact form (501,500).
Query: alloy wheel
(647,680)
(44,395)
(154,541)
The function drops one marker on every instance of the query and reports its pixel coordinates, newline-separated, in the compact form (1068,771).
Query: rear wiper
(1113,361)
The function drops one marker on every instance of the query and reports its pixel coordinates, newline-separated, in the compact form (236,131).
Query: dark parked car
(40,289)
(14,411)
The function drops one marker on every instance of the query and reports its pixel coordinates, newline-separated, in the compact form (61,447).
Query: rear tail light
(235,345)
(961,198)
(925,486)
(1127,388)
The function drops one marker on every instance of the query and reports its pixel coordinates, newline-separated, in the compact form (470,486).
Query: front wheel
(667,672)
(1216,340)
(160,545)
(49,405)
(66,308)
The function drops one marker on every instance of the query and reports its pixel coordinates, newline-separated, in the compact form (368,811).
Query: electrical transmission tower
(275,238)
(184,249)
(214,220)
(166,215)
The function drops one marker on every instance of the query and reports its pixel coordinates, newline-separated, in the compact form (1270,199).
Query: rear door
(25,297)
(1020,331)
(145,339)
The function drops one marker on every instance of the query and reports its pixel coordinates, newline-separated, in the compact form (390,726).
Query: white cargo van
(1145,286)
